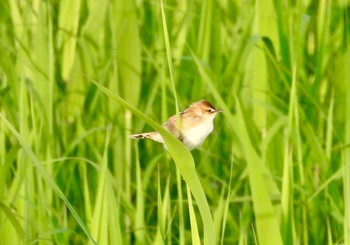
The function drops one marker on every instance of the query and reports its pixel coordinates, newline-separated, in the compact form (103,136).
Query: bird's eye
(209,110)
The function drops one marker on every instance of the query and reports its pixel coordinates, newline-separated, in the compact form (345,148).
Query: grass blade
(183,160)
(49,180)
(266,221)
(194,227)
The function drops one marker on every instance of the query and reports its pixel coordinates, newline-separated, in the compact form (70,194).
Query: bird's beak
(219,111)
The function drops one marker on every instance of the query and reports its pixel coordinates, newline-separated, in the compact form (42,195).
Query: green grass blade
(163,210)
(194,227)
(183,160)
(169,60)
(205,30)
(125,30)
(15,229)
(68,21)
(346,151)
(287,193)
(140,206)
(101,218)
(330,129)
(266,222)
(159,238)
(181,208)
(49,180)
(226,207)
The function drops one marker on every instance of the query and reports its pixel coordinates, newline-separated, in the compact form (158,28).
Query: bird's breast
(194,136)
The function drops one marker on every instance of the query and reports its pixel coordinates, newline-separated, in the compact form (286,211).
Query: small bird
(196,125)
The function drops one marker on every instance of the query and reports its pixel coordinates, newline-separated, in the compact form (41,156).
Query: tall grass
(77,77)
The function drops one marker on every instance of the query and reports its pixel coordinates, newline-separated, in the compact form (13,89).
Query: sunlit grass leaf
(12,222)
(193,221)
(128,41)
(68,21)
(45,175)
(266,221)
(183,160)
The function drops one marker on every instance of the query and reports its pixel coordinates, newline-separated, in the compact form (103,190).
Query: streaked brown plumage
(196,121)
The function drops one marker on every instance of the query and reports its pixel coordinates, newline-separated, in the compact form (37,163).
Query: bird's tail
(141,136)
(150,135)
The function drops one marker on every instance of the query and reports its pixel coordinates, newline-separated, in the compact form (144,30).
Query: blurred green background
(275,170)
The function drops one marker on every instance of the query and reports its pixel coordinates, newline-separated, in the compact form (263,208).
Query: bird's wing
(172,127)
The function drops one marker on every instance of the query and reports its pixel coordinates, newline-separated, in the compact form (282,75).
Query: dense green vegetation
(276,169)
